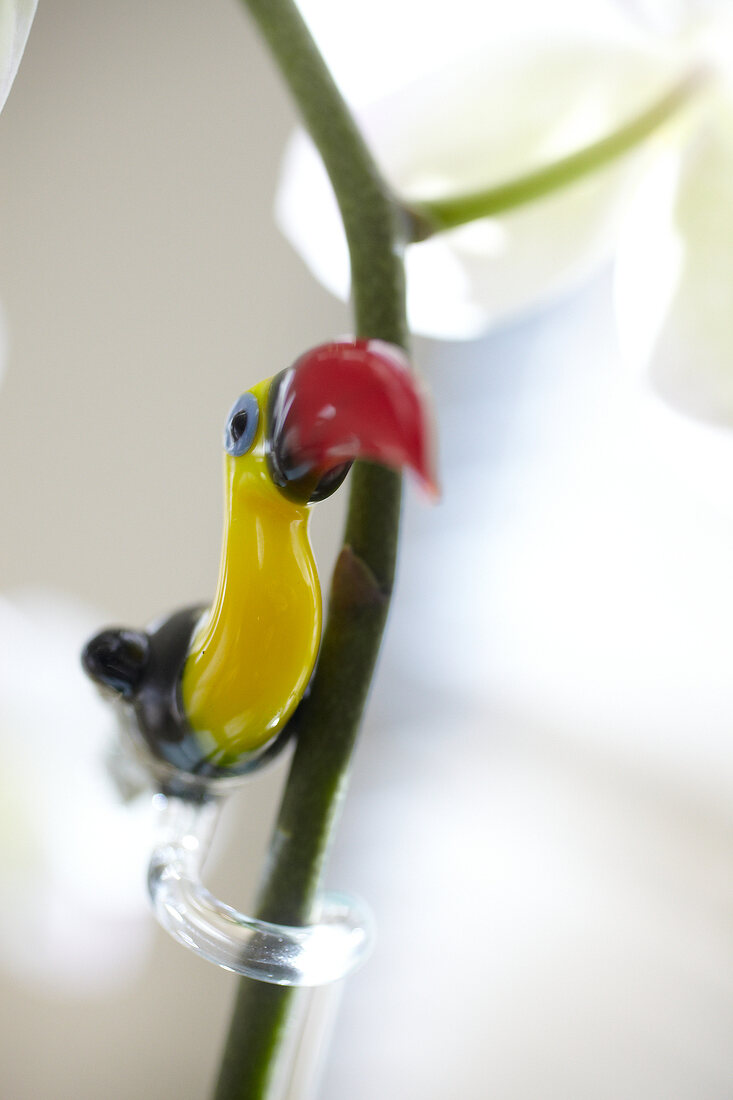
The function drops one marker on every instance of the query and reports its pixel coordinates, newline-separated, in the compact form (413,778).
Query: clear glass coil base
(311,955)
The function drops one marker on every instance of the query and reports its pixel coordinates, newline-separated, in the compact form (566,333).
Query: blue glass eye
(241,426)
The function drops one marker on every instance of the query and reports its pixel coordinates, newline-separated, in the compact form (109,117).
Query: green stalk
(377,229)
(435,215)
(328,721)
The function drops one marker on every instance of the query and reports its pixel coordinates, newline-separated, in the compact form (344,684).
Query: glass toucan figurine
(209,691)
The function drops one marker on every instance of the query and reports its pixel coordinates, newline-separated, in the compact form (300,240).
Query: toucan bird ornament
(210,690)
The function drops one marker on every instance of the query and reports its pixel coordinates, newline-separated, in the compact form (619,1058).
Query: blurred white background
(540,806)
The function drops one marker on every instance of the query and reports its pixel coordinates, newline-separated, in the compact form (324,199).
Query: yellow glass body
(253,654)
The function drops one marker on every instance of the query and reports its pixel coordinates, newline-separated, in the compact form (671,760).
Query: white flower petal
(367,62)
(672,16)
(307,214)
(675,273)
(445,135)
(16,17)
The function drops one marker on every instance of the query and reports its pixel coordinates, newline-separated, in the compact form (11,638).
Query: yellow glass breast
(253,655)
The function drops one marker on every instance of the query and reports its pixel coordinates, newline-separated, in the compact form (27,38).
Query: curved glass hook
(280,954)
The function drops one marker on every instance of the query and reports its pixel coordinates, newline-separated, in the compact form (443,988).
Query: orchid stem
(328,720)
(433,216)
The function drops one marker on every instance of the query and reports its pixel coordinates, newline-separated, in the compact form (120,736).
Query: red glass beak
(349,400)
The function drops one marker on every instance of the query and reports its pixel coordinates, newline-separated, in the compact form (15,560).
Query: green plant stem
(432,216)
(327,722)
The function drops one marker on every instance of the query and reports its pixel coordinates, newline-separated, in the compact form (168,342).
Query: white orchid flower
(559,96)
(511,103)
(514,94)
(73,857)
(16,17)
